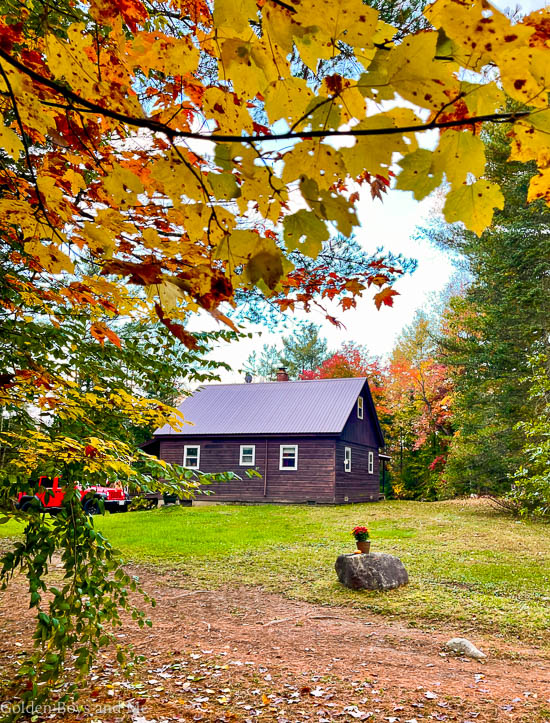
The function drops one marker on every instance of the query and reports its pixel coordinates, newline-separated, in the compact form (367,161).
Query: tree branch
(171,133)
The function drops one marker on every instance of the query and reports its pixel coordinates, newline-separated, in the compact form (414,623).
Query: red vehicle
(115,499)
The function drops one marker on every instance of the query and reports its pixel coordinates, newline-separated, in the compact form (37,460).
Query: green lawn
(469,565)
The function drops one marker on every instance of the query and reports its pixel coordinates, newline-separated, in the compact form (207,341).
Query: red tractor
(50,496)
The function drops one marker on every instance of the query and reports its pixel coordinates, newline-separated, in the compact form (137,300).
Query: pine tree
(491,330)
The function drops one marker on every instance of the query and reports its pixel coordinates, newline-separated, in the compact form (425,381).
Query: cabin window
(191,456)
(347,459)
(288,458)
(359,407)
(371,462)
(248,455)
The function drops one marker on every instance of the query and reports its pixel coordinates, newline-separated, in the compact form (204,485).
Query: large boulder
(376,571)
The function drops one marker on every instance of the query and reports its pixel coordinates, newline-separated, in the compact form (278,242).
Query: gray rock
(376,571)
(461,646)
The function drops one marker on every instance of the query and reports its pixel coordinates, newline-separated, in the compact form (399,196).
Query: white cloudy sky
(394,225)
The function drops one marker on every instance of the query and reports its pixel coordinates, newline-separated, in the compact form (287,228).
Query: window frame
(242,463)
(360,408)
(347,459)
(371,462)
(286,468)
(191,446)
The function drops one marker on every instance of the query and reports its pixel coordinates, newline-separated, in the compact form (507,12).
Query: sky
(395,225)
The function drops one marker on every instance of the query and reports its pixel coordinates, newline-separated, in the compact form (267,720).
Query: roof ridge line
(275,381)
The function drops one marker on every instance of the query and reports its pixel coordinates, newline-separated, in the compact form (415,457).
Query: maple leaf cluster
(107,109)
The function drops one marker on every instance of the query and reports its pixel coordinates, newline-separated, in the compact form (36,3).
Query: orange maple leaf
(385,297)
(101,332)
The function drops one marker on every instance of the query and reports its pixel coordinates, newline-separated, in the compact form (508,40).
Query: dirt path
(247,655)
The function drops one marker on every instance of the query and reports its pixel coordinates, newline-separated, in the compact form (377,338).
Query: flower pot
(363,546)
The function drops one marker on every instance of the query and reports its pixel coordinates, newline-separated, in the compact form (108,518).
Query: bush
(531,483)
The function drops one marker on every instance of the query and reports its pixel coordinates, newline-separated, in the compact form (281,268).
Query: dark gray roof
(321,406)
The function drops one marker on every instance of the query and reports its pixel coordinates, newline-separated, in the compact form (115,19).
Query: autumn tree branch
(158,127)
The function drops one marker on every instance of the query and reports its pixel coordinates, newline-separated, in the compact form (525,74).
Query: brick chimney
(282,375)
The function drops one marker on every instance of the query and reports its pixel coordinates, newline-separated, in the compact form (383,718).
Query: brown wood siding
(357,485)
(314,480)
(360,431)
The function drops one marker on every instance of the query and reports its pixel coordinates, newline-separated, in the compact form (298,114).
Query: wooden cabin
(314,441)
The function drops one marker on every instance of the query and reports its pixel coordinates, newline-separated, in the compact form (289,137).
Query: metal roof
(320,406)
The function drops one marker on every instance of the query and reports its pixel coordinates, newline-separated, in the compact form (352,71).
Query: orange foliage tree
(418,399)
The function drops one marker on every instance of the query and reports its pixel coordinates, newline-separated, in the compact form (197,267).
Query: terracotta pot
(363,546)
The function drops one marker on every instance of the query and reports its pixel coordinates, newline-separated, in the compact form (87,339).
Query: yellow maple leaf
(229,111)
(177,178)
(317,160)
(327,22)
(482,99)
(474,205)
(531,139)
(540,186)
(235,14)
(172,56)
(250,65)
(122,185)
(69,59)
(10,141)
(368,153)
(409,69)
(478,29)
(287,98)
(458,154)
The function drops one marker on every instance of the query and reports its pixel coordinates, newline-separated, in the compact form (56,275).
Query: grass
(469,565)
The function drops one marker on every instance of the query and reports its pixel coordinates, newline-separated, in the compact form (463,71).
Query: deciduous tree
(418,397)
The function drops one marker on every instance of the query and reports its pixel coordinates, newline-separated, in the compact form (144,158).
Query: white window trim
(288,446)
(192,446)
(371,462)
(347,459)
(242,463)
(360,408)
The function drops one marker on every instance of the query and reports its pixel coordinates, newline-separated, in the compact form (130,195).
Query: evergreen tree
(304,351)
(491,330)
(530,493)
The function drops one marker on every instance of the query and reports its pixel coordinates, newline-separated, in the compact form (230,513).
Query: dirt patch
(247,655)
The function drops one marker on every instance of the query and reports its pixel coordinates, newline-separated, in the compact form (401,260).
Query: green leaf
(304,224)
(418,174)
(224,185)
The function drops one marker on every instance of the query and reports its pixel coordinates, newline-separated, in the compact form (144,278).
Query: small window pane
(248,454)
(289,457)
(360,407)
(347,459)
(191,457)
(371,462)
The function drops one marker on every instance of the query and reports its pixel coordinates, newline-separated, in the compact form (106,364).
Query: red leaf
(385,297)
(90,451)
(140,274)
(176,329)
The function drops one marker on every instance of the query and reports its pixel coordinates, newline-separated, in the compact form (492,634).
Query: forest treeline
(464,399)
